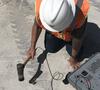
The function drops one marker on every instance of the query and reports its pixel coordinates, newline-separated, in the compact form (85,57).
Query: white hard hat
(56,15)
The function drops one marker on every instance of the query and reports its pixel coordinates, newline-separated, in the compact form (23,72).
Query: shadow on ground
(91,41)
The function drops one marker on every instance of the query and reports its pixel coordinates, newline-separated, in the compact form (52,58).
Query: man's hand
(31,53)
(74,63)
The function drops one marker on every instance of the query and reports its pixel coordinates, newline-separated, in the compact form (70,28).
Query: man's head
(57,15)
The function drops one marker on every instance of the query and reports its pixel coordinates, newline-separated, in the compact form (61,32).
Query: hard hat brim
(50,28)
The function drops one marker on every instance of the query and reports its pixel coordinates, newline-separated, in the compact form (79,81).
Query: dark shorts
(53,44)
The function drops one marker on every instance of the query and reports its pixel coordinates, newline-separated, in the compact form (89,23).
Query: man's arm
(73,60)
(76,44)
(77,38)
(36,30)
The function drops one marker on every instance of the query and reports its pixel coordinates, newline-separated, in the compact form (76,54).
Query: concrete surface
(16,20)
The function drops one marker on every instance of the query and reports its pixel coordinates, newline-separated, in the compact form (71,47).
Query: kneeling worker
(65,22)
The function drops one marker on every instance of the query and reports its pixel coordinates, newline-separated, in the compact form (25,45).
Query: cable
(54,76)
(88,83)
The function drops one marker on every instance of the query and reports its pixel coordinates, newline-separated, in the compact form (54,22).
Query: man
(64,22)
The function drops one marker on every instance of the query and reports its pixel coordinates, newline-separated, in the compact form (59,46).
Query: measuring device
(87,77)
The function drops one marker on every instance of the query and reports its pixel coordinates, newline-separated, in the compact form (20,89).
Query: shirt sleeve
(82,13)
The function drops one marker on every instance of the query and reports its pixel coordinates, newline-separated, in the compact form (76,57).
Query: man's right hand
(31,53)
(74,63)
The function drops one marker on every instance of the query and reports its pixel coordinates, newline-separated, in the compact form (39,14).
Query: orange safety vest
(80,18)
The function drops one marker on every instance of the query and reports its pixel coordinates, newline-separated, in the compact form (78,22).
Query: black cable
(60,75)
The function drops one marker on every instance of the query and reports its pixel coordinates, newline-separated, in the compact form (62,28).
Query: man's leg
(53,44)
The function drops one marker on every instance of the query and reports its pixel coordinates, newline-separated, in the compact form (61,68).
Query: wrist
(73,56)
(74,53)
(32,46)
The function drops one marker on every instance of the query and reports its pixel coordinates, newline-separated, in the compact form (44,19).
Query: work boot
(20,71)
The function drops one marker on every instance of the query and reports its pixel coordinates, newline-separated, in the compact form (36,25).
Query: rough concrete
(16,20)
